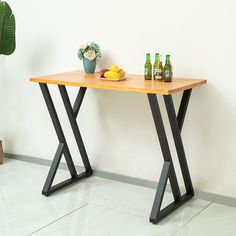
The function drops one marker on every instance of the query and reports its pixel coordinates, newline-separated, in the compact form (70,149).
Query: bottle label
(157,74)
(148,73)
(168,75)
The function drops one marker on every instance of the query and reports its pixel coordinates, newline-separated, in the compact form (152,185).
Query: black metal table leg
(78,101)
(74,125)
(183,108)
(53,169)
(160,190)
(168,171)
(178,144)
(164,143)
(63,147)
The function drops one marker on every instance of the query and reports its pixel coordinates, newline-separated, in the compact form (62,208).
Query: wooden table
(134,83)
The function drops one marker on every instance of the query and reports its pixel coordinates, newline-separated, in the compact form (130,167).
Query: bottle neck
(148,58)
(157,58)
(167,59)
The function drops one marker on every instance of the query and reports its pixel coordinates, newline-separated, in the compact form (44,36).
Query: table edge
(161,91)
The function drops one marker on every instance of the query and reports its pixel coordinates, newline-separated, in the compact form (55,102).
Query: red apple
(102,72)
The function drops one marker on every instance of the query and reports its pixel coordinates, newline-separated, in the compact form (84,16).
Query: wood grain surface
(133,83)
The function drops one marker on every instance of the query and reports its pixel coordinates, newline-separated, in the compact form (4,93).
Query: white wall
(117,127)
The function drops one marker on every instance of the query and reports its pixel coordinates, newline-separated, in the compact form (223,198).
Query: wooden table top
(133,83)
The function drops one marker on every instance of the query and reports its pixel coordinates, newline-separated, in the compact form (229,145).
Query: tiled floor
(97,207)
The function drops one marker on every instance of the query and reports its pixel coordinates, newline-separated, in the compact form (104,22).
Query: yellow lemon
(112,75)
(114,68)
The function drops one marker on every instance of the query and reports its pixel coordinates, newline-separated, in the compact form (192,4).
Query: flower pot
(89,66)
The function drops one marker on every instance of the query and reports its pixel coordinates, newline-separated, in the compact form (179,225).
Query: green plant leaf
(7,29)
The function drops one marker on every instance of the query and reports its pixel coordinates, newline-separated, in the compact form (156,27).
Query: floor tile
(215,220)
(130,198)
(22,207)
(100,221)
(23,210)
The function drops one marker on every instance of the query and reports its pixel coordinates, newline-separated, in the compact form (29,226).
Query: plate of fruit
(112,73)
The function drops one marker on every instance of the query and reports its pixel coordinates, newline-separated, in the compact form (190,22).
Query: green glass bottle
(168,71)
(157,68)
(148,68)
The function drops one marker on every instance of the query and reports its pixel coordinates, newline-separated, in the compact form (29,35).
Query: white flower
(90,54)
(84,46)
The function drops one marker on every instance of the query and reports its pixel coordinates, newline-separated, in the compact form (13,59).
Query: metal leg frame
(168,171)
(63,147)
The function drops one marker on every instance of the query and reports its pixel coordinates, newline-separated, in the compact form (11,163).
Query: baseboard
(127,179)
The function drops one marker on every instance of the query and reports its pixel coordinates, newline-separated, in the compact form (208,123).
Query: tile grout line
(203,209)
(114,209)
(52,222)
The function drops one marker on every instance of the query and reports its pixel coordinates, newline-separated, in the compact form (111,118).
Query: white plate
(109,79)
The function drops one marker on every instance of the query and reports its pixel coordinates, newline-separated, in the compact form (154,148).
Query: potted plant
(90,54)
(7,38)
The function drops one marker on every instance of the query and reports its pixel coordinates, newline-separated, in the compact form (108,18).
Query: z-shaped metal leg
(63,147)
(168,171)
